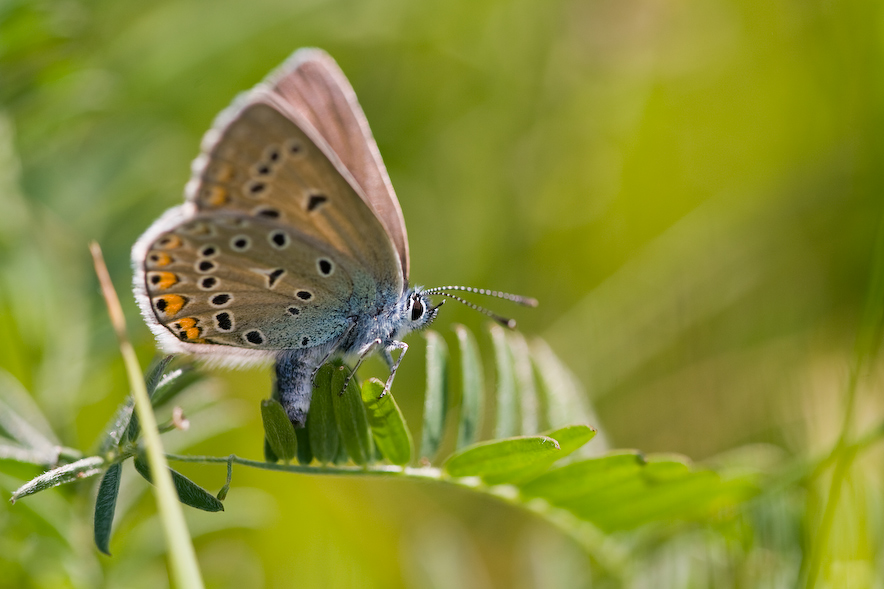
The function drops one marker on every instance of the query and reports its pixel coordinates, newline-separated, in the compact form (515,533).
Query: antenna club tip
(510,323)
(531,302)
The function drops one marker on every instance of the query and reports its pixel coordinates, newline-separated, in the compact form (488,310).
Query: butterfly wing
(313,84)
(282,219)
(232,280)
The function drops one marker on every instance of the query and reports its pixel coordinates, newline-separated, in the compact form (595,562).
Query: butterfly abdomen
(294,381)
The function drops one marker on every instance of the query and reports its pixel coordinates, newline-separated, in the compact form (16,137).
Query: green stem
(868,335)
(182,557)
(608,554)
(371,470)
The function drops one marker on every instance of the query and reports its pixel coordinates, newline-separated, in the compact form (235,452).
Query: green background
(690,188)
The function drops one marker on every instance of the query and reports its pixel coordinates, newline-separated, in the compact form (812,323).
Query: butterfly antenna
(510,323)
(526,301)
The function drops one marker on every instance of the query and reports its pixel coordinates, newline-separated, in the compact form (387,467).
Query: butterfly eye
(417,310)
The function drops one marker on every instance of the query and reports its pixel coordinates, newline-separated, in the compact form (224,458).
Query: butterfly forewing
(263,164)
(313,84)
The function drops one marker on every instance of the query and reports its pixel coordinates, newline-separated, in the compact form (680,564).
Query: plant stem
(607,553)
(182,558)
(867,339)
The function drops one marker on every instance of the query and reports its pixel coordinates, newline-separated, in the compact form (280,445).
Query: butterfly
(291,245)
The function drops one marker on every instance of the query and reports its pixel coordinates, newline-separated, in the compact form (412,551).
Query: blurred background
(691,190)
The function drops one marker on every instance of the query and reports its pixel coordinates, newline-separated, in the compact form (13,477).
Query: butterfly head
(416,312)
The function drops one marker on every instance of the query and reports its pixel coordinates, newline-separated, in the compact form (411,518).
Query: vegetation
(691,191)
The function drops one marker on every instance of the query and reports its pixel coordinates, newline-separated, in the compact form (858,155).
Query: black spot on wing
(315,201)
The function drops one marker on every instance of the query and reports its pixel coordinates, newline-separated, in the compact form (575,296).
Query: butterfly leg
(363,354)
(393,365)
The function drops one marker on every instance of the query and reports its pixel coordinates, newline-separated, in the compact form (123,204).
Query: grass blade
(184,568)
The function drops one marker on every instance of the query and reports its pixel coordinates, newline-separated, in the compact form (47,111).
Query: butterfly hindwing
(233,280)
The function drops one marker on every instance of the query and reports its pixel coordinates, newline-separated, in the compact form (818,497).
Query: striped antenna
(526,301)
(511,323)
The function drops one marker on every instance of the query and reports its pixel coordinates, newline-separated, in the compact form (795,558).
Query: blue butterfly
(290,245)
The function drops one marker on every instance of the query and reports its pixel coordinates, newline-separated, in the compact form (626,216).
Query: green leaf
(560,397)
(16,399)
(305,453)
(188,491)
(472,405)
(278,430)
(118,427)
(105,505)
(155,373)
(436,397)
(68,473)
(687,497)
(507,422)
(173,383)
(351,418)
(497,460)
(666,467)
(654,476)
(162,388)
(269,454)
(388,429)
(622,491)
(579,478)
(16,453)
(526,389)
(151,380)
(17,428)
(570,439)
(341,457)
(321,427)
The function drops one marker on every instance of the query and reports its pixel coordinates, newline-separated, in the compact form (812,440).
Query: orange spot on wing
(169,242)
(224,173)
(186,323)
(160,259)
(163,280)
(216,196)
(187,329)
(170,304)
